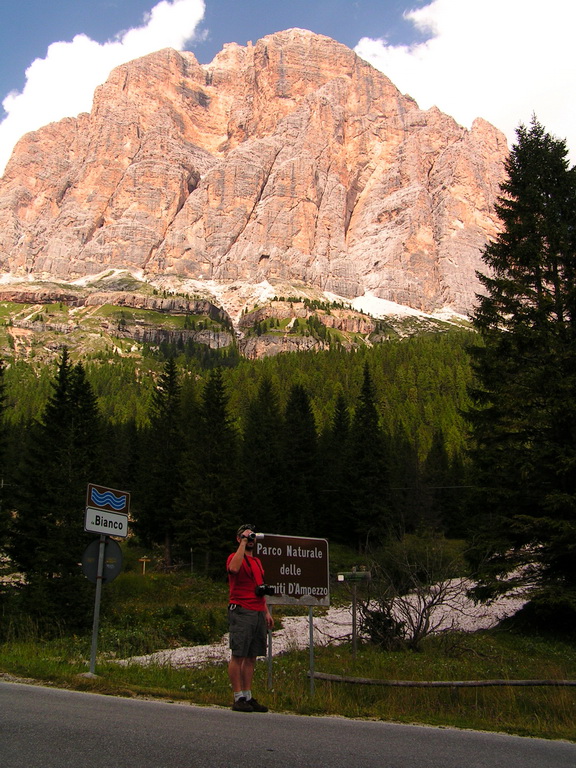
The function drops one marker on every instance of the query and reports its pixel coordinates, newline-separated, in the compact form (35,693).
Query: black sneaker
(242,705)
(256,706)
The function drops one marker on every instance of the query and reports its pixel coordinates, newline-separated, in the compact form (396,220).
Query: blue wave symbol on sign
(101,499)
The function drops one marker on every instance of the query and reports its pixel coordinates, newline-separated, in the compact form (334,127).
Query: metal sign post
(354,577)
(269,655)
(106,513)
(97,599)
(311,644)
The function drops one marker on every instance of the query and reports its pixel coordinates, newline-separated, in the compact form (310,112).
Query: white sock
(247,694)
(238,695)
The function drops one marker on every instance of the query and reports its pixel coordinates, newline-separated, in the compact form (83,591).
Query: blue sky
(497,59)
(27,27)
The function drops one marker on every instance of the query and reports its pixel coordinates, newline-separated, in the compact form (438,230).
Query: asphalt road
(52,728)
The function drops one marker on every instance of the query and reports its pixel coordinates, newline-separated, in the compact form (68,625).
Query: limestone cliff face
(288,160)
(340,319)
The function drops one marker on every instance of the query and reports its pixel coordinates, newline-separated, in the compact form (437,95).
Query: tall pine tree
(368,469)
(63,456)
(300,448)
(208,502)
(262,472)
(160,477)
(525,416)
(334,495)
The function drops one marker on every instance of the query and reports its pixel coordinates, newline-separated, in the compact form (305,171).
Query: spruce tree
(438,484)
(368,469)
(335,493)
(63,456)
(262,471)
(159,481)
(208,503)
(407,496)
(525,402)
(300,451)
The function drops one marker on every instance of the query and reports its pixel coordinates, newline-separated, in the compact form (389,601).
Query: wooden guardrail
(438,683)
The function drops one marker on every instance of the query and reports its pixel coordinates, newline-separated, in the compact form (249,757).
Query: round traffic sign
(112,560)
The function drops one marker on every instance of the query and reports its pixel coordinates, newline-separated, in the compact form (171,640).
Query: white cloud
(62,84)
(502,60)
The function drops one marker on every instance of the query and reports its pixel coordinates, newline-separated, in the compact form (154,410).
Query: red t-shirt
(243,583)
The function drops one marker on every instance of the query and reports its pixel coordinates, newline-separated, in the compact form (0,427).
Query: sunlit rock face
(288,160)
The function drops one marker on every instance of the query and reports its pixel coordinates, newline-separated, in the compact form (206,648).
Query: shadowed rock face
(290,160)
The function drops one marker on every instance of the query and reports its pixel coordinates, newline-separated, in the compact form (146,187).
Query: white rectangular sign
(106,522)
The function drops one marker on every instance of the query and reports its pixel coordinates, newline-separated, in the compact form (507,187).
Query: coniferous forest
(467,434)
(351,446)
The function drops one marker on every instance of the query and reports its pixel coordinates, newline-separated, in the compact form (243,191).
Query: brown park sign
(297,567)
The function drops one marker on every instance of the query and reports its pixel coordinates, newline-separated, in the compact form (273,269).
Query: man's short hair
(245,527)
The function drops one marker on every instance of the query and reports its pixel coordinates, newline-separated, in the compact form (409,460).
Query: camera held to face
(254,536)
(264,589)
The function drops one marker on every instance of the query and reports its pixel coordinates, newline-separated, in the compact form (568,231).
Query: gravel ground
(454,611)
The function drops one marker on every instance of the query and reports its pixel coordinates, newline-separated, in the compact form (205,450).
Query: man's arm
(269,618)
(236,562)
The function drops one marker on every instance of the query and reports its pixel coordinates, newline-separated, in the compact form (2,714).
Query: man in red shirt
(248,618)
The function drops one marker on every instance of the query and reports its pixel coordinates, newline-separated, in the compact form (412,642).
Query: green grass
(536,712)
(141,614)
(155,318)
(9,309)
(147,613)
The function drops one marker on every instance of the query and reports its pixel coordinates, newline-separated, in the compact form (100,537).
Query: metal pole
(311,628)
(270,681)
(96,623)
(354,642)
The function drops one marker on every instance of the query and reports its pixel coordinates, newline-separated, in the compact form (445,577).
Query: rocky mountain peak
(290,160)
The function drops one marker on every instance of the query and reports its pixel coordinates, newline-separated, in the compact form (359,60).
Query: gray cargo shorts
(247,631)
